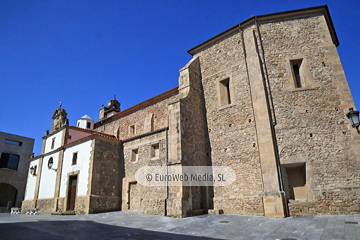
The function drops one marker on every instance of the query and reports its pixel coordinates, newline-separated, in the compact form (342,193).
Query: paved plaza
(131,225)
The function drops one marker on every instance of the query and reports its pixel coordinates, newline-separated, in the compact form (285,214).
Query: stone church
(267,98)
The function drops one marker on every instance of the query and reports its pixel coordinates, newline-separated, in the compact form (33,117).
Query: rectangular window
(154,151)
(13,142)
(131,130)
(295,181)
(52,143)
(9,160)
(88,125)
(74,158)
(224,92)
(296,69)
(135,155)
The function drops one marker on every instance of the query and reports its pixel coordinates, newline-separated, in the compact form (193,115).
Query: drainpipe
(167,169)
(272,117)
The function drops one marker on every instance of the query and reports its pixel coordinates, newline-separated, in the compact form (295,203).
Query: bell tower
(85,122)
(112,109)
(59,118)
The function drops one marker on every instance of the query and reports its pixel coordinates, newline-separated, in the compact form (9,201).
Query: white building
(75,171)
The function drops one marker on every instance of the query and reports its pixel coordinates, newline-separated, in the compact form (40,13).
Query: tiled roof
(92,133)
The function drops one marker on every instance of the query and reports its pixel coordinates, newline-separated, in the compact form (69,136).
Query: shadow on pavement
(79,230)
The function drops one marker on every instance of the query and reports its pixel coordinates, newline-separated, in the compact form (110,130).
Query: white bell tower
(85,122)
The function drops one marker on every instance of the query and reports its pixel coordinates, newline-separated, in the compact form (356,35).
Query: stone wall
(61,204)
(231,127)
(194,141)
(82,205)
(104,204)
(147,117)
(263,93)
(27,204)
(135,197)
(106,175)
(154,110)
(45,206)
(312,128)
(340,201)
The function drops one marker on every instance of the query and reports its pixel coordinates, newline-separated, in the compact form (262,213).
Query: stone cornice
(55,132)
(323,10)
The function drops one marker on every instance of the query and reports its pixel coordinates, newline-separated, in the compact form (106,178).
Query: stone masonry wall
(231,127)
(138,198)
(340,201)
(27,204)
(140,119)
(311,124)
(45,205)
(61,204)
(195,145)
(82,205)
(106,175)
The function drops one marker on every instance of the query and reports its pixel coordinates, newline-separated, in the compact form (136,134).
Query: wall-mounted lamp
(50,165)
(33,170)
(353,116)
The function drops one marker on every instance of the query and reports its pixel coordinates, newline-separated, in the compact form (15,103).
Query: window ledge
(226,106)
(303,89)
(154,158)
(300,202)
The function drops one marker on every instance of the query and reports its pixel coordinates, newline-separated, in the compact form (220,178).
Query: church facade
(267,98)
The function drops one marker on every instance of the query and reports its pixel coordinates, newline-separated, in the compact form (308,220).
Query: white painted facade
(85,122)
(58,141)
(83,164)
(67,141)
(31,182)
(48,177)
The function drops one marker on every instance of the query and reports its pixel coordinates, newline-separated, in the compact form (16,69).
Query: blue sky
(82,53)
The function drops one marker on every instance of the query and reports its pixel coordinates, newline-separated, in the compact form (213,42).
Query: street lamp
(33,170)
(353,116)
(50,164)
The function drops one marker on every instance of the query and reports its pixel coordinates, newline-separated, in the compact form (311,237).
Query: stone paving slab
(131,225)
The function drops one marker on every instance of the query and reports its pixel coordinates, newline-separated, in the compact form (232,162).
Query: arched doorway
(8,194)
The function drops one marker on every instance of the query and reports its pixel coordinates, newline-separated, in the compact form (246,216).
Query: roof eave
(271,17)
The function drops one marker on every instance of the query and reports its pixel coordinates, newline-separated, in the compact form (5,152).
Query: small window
(224,92)
(74,158)
(295,181)
(9,160)
(50,163)
(52,143)
(78,124)
(34,171)
(135,155)
(296,69)
(88,125)
(13,142)
(154,151)
(131,130)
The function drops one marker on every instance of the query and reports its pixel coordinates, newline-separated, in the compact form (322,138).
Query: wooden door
(72,193)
